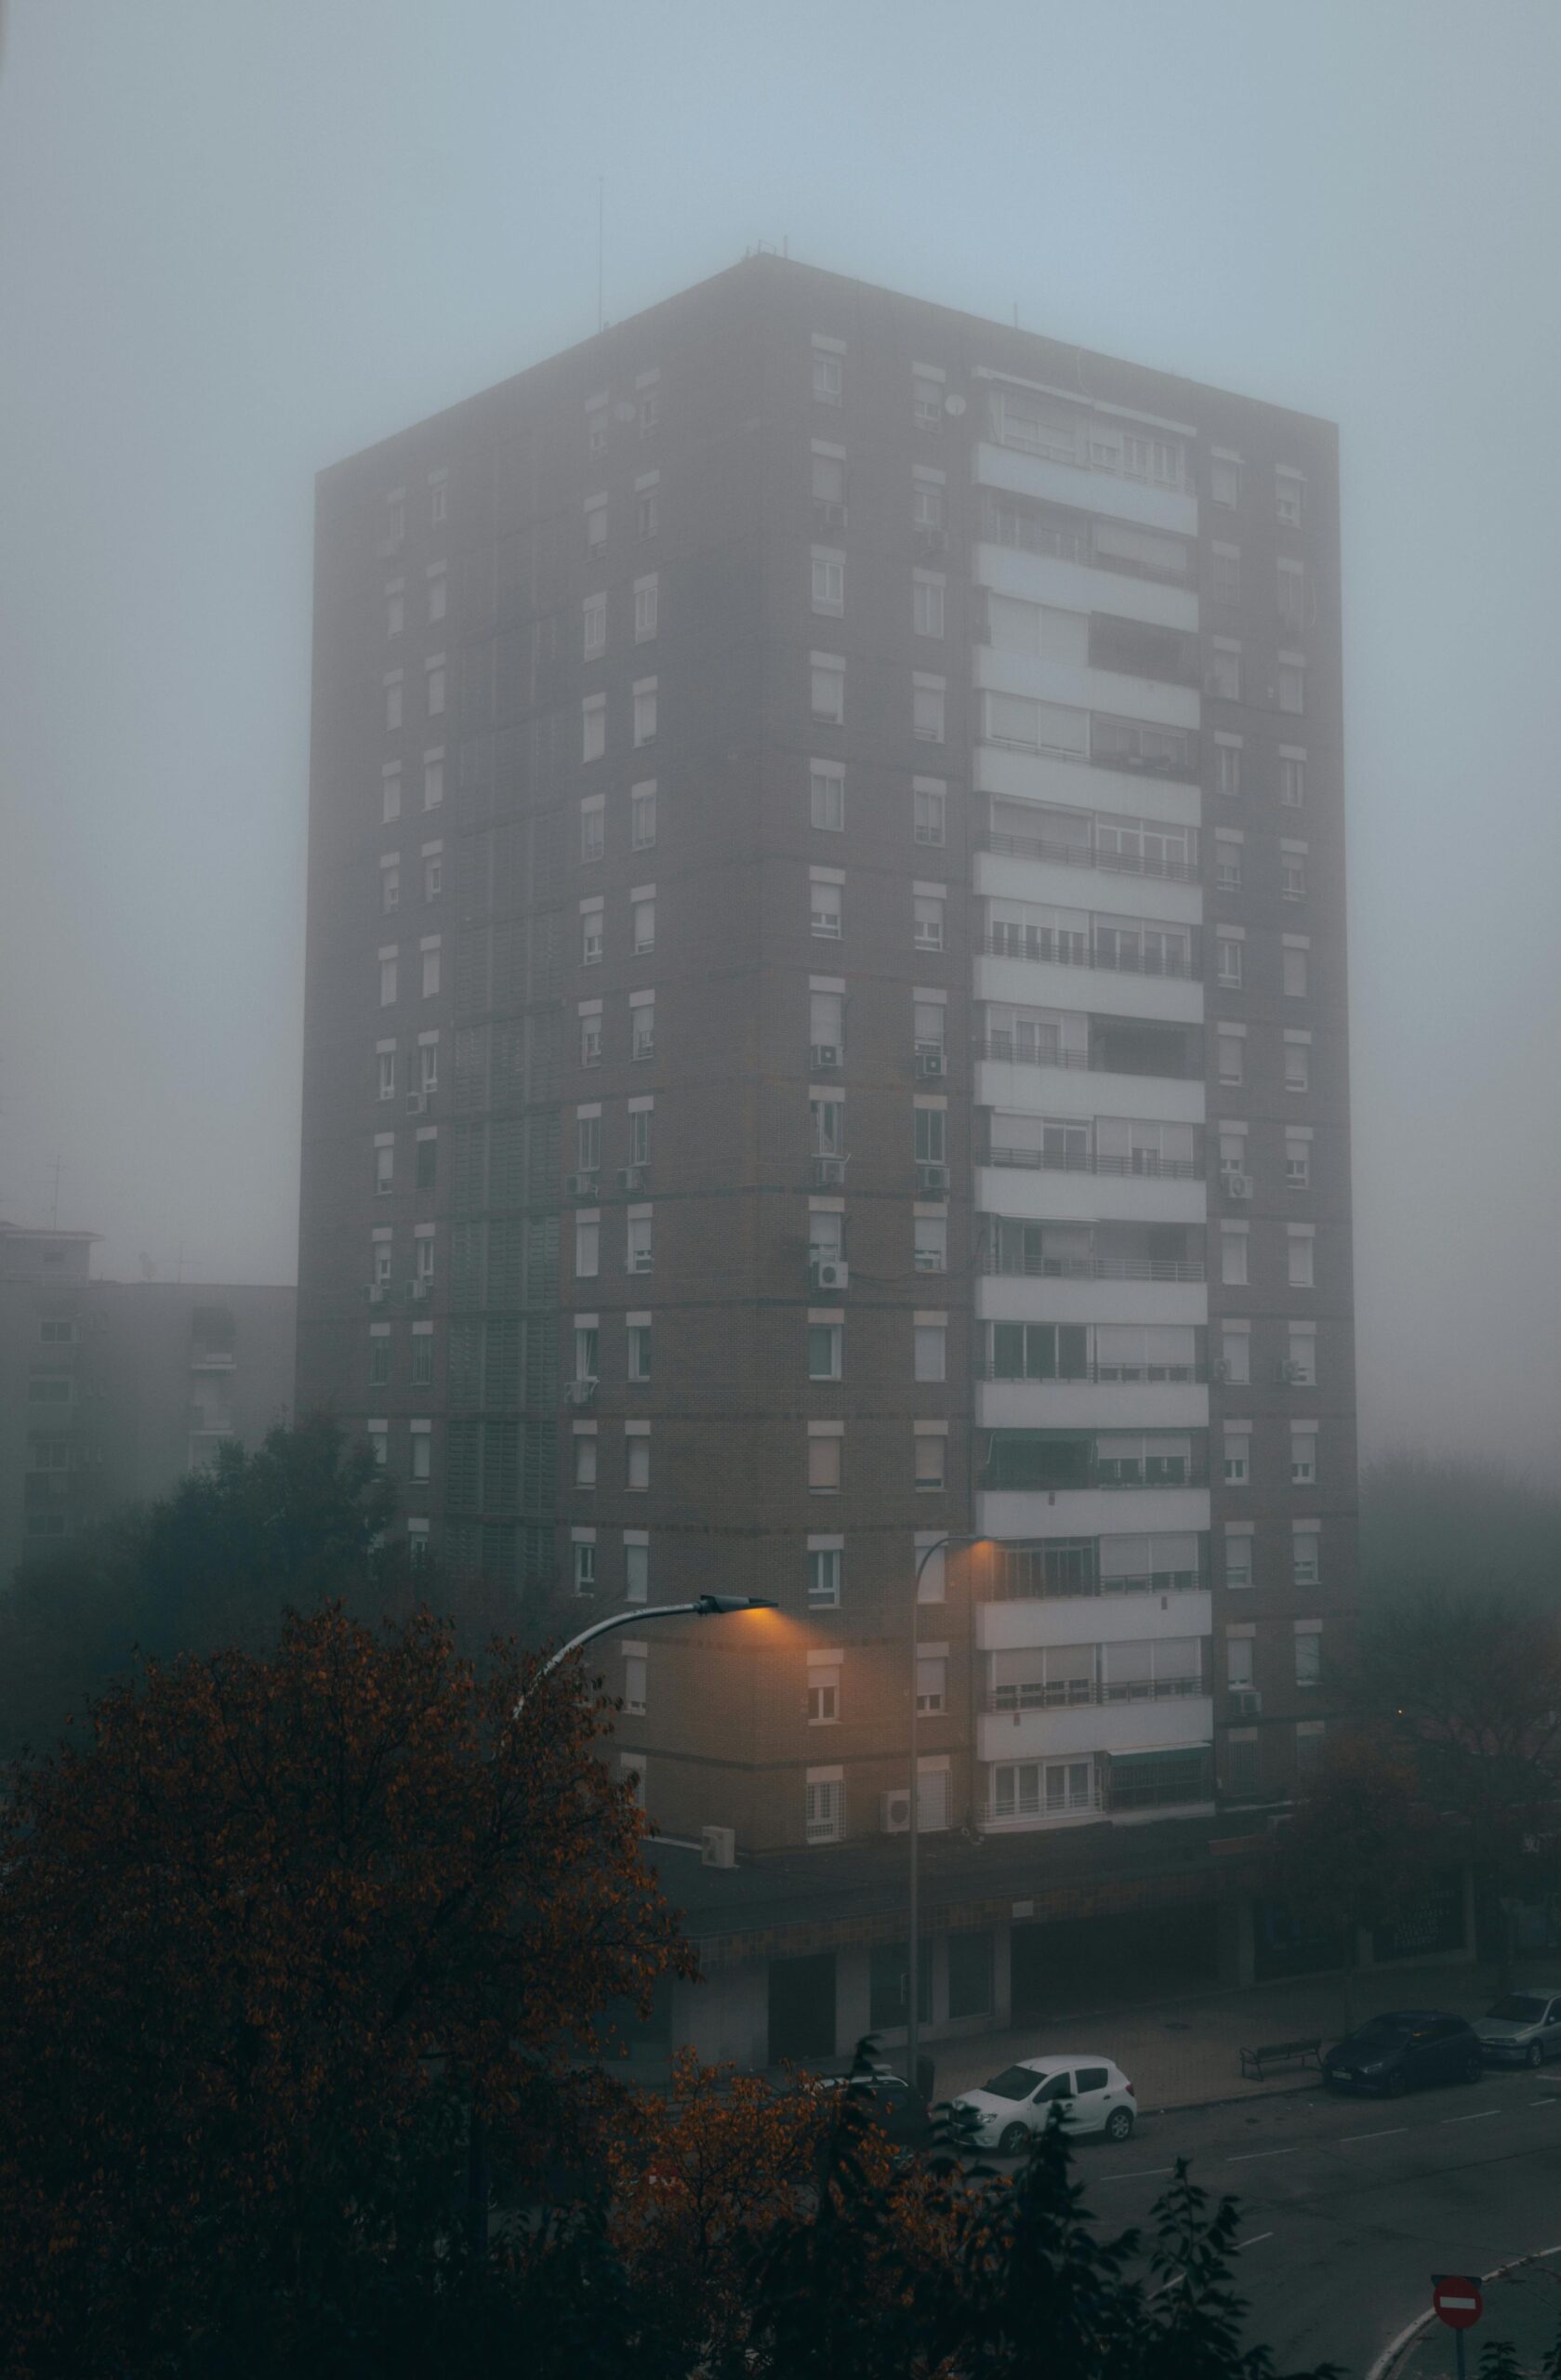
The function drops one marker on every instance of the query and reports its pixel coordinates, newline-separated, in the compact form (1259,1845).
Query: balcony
(1014,1265)
(1026,1193)
(1098,851)
(1112,1616)
(1102,1403)
(1181,1723)
(1144,1164)
(1019,966)
(1175,950)
(1168,1501)
(1074,1693)
(1082,544)
(1087,482)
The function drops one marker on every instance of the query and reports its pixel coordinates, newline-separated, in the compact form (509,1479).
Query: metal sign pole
(1458,2337)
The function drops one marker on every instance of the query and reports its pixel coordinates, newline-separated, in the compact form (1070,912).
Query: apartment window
(1233,1256)
(1298,1065)
(1308,1657)
(395,607)
(928,1019)
(587,1142)
(422,1355)
(930,812)
(1303,1460)
(825,1558)
(640,1113)
(644,711)
(1225,575)
(1239,1663)
(828,487)
(1231,1050)
(828,1127)
(1290,591)
(1224,478)
(439,498)
(588,1246)
(388,969)
(1293,779)
(431,956)
(637,1253)
(379,1356)
(1228,963)
(641,817)
(596,526)
(1238,1458)
(1232,1152)
(926,503)
(930,1463)
(1238,1558)
(395,518)
(1287,487)
(596,425)
(827,1026)
(635,1664)
(584,1562)
(393,700)
(927,920)
(825,1234)
(585,1457)
(637,1458)
(824,1805)
(1292,871)
(590,1036)
(389,810)
(422,1453)
(590,934)
(931,1243)
(826,1350)
(1300,1245)
(636,1568)
(650,410)
(1227,768)
(641,1020)
(379,1444)
(439,591)
(1301,1366)
(1224,671)
(1310,1738)
(1294,965)
(380,1260)
(931,1682)
(433,875)
(926,401)
(1298,1161)
(640,1352)
(931,1135)
(594,727)
(1227,861)
(1292,683)
(1236,1351)
(825,900)
(593,828)
(433,780)
(829,581)
(425,1176)
(829,688)
(828,377)
(643,918)
(929,1347)
(824,1465)
(595,626)
(647,507)
(646,605)
(824,1693)
(828,787)
(588,1348)
(390,883)
(926,603)
(927,709)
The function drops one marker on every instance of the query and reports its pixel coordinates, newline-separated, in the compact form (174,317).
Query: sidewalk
(1183,2053)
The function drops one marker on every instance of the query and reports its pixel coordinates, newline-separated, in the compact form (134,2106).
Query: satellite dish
(955,406)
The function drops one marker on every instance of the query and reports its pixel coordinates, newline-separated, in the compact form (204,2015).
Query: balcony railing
(1008,524)
(1012,1049)
(1021,1579)
(1047,946)
(1073,853)
(1069,1694)
(1154,1374)
(1095,1268)
(1143,1162)
(1109,1796)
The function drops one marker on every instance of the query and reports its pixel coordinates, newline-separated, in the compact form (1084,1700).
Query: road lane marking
(1251,2156)
(1473,2117)
(1256,2240)
(1138,2174)
(1389,2133)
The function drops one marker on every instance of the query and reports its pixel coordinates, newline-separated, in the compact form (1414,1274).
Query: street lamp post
(913,1981)
(702,1607)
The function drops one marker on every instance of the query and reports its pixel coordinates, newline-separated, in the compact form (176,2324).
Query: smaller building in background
(111,1391)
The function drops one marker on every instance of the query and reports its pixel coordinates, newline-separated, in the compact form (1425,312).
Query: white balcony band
(1008,1297)
(1181,1723)
(1091,1405)
(1086,1092)
(1075,587)
(1113,498)
(1078,784)
(1111,692)
(1029,1515)
(1031,1196)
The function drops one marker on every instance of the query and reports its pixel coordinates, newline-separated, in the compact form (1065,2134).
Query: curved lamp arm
(702,1607)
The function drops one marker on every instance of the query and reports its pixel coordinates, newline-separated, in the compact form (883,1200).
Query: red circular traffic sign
(1456,2300)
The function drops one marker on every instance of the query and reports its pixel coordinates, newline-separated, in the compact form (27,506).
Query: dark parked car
(893,2104)
(1403,2049)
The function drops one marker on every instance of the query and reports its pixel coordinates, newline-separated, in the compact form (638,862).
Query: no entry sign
(1456,2300)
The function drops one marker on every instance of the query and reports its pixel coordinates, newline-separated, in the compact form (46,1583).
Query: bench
(1255,2062)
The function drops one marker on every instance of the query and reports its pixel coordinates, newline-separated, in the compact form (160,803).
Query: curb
(1411,2331)
(1236,2099)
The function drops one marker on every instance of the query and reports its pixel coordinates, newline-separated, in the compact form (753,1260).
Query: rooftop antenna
(600,221)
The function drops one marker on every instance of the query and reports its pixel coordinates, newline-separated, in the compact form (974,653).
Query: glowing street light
(702,1607)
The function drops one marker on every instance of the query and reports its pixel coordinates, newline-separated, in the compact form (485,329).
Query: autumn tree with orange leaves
(264,1944)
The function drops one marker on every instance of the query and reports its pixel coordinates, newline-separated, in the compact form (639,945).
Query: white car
(1095,2095)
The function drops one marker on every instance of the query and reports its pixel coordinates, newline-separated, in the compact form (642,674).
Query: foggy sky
(241,238)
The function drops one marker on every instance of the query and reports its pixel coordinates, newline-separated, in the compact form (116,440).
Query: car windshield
(1381,2030)
(1518,2008)
(1014,2083)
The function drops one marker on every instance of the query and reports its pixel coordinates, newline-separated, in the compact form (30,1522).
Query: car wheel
(1118,2125)
(1472,2068)
(1534,2055)
(1396,2085)
(1012,2141)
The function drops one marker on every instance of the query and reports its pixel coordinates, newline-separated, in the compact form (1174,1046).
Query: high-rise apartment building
(826,1033)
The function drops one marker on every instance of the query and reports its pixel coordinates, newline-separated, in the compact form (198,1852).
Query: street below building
(1350,2204)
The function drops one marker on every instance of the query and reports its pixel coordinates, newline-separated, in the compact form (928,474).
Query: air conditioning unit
(376,1294)
(633,1177)
(826,1056)
(828,1173)
(416,1102)
(1246,1703)
(1238,1186)
(579,1392)
(895,1811)
(926,1261)
(930,1064)
(421,1288)
(931,1178)
(581,1186)
(644,1262)
(831,1273)
(1294,1375)
(718,1846)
